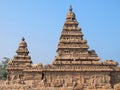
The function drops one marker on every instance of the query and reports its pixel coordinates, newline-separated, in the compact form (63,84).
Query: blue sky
(41,22)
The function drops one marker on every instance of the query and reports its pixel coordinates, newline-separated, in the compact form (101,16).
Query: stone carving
(107,86)
(117,86)
(10,63)
(78,87)
(58,83)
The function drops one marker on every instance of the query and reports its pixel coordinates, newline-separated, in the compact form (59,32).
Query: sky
(40,22)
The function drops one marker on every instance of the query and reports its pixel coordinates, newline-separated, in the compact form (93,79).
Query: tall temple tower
(72,46)
(74,65)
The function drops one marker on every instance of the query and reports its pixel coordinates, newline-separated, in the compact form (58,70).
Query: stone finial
(23,39)
(70,9)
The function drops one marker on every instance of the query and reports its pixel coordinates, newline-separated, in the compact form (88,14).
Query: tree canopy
(3,66)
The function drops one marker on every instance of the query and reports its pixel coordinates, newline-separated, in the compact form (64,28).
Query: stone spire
(22,58)
(22,52)
(72,46)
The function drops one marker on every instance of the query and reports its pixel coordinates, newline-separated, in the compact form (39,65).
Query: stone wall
(89,80)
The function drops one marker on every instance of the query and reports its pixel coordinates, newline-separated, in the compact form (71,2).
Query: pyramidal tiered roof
(72,46)
(22,52)
(22,58)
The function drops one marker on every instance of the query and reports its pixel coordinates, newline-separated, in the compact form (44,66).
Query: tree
(3,66)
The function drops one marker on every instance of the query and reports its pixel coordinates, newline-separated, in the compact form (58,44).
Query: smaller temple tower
(19,62)
(21,70)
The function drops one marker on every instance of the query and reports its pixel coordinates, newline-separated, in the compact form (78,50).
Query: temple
(75,67)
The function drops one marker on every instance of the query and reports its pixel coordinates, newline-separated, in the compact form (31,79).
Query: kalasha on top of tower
(22,47)
(23,43)
(70,15)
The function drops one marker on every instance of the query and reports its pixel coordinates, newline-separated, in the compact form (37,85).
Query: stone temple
(75,67)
